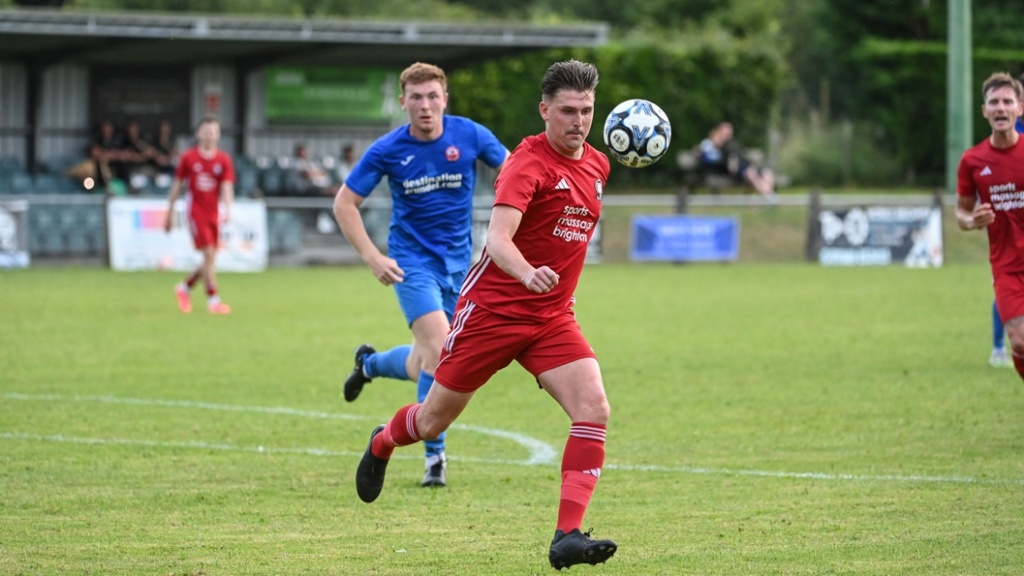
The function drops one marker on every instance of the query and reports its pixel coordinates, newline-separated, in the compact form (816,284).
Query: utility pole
(959,91)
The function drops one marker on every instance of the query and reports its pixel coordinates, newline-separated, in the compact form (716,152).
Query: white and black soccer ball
(637,133)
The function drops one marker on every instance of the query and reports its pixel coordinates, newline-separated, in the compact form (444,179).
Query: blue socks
(389,364)
(423,384)
(997,329)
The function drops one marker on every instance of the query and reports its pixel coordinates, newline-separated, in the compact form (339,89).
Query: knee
(429,359)
(431,429)
(1016,340)
(597,411)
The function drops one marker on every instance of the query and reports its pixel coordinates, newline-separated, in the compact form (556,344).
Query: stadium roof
(46,36)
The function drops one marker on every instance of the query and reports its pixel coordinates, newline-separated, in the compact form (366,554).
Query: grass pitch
(766,419)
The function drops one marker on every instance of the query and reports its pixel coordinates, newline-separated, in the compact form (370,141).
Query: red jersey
(996,176)
(560,199)
(205,176)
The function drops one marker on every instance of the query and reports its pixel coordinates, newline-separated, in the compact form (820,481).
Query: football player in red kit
(990,195)
(210,175)
(517,304)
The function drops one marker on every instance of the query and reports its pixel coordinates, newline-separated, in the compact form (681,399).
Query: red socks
(400,431)
(581,461)
(1018,363)
(581,467)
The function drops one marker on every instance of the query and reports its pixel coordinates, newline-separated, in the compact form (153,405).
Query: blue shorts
(423,291)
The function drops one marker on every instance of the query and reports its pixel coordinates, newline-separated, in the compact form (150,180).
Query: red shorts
(1009,295)
(205,231)
(481,343)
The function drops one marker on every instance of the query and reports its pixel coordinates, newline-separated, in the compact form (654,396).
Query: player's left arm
(227,194)
(505,222)
(172,196)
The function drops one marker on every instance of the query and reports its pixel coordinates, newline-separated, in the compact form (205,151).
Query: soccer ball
(637,133)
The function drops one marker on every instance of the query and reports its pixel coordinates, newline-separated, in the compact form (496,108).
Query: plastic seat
(78,243)
(94,222)
(246,181)
(20,183)
(272,181)
(46,183)
(284,231)
(51,243)
(44,231)
(69,185)
(11,164)
(58,165)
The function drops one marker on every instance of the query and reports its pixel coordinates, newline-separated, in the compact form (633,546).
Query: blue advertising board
(685,238)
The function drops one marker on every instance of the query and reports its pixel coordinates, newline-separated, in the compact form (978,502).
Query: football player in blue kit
(430,164)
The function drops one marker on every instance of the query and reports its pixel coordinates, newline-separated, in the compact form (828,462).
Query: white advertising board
(138,241)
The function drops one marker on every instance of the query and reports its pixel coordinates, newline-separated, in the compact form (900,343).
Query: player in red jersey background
(990,195)
(210,175)
(516,304)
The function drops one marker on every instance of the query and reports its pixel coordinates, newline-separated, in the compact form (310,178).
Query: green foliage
(422,9)
(837,154)
(697,84)
(878,64)
(899,77)
(885,65)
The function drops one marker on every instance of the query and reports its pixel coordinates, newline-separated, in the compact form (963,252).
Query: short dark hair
(207,119)
(569,75)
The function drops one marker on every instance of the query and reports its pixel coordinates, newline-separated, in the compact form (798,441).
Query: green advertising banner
(324,94)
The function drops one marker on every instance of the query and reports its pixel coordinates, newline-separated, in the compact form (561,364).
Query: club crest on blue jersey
(452,153)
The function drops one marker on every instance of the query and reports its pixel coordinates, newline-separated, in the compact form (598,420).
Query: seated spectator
(346,163)
(721,154)
(136,155)
(106,154)
(164,151)
(307,177)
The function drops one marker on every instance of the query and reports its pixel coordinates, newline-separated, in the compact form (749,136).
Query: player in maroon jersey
(517,304)
(210,175)
(990,195)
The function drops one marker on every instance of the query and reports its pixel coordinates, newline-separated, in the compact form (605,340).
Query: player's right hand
(983,215)
(386,270)
(540,280)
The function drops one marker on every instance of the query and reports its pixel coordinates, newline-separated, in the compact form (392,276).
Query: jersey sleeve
(518,181)
(181,172)
(368,171)
(229,169)
(965,177)
(492,151)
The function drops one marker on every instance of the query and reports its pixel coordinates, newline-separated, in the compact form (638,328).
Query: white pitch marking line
(541,453)
(199,445)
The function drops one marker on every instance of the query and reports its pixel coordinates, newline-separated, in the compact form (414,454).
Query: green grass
(766,419)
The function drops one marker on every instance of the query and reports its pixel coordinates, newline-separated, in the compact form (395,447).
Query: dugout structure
(272,82)
(61,71)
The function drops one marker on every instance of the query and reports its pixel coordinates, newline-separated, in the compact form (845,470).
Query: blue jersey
(1020,125)
(431,190)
